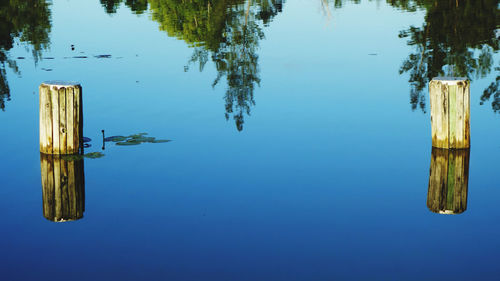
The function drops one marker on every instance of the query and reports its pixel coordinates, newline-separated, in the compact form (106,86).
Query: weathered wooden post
(63,188)
(450,112)
(448,181)
(61,117)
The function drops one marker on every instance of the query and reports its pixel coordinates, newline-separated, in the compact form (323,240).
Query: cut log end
(60,83)
(449,79)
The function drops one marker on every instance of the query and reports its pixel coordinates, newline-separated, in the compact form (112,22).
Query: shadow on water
(27,21)
(448,181)
(226,32)
(63,188)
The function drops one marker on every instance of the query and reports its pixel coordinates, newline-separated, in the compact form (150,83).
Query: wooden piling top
(61,84)
(450,80)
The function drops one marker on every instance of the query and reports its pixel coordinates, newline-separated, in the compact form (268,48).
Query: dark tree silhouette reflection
(493,92)
(458,38)
(226,32)
(29,22)
(137,6)
(234,53)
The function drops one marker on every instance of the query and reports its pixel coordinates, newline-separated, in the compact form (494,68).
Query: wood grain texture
(63,188)
(45,120)
(452,117)
(450,112)
(54,94)
(448,181)
(70,136)
(465,93)
(61,119)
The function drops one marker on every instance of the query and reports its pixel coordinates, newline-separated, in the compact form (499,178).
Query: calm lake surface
(301,140)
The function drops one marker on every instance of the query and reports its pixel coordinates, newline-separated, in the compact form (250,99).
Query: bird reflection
(448,181)
(63,186)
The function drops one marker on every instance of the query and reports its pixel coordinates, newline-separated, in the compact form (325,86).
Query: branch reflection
(458,38)
(227,32)
(27,21)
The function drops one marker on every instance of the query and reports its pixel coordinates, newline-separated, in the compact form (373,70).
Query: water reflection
(448,181)
(63,185)
(137,6)
(493,92)
(458,38)
(29,22)
(226,32)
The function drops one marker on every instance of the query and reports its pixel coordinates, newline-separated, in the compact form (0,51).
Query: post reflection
(63,186)
(448,181)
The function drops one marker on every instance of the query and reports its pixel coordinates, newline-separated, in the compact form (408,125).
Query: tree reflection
(226,32)
(492,91)
(458,38)
(137,6)
(27,21)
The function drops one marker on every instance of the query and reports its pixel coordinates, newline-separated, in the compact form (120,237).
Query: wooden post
(63,188)
(450,112)
(448,181)
(61,117)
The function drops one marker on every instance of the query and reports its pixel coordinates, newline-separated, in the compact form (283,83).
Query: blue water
(327,180)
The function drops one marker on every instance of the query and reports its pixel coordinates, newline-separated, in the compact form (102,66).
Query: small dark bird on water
(72,47)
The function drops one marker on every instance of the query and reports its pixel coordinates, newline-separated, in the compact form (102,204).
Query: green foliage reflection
(137,6)
(27,21)
(458,38)
(227,32)
(493,92)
